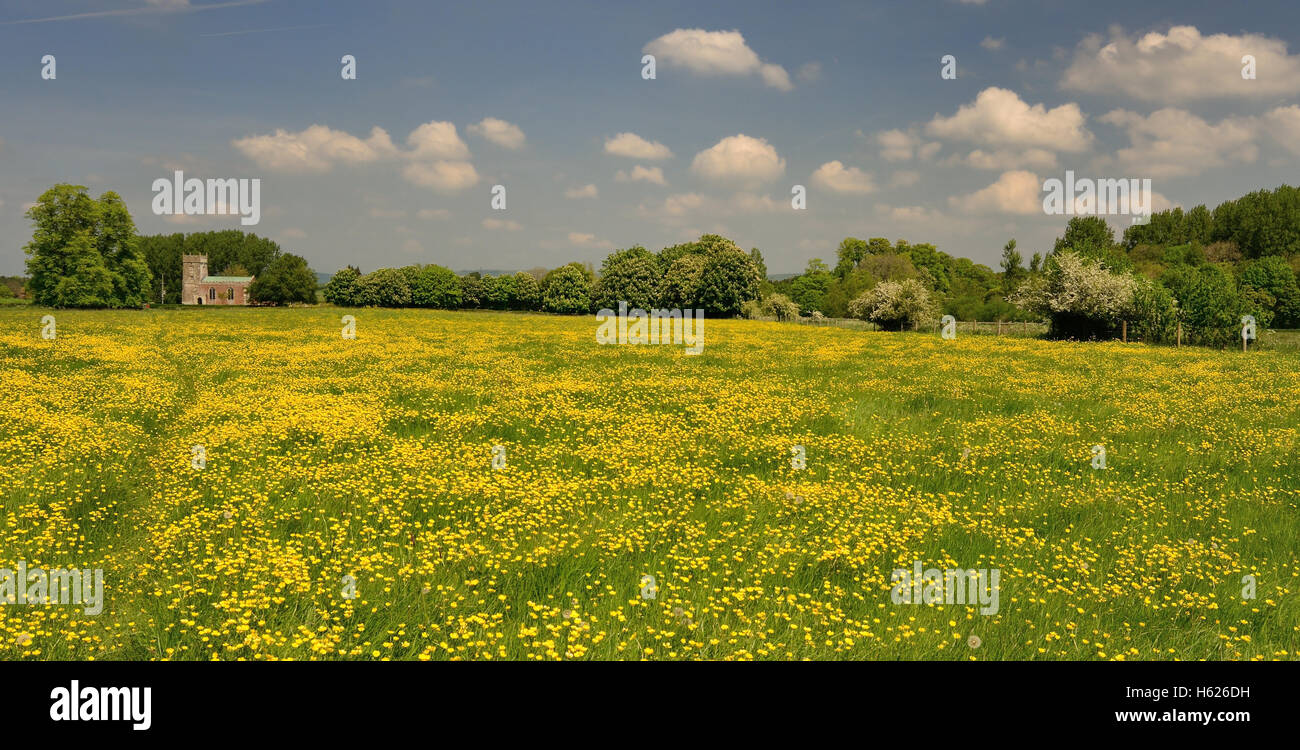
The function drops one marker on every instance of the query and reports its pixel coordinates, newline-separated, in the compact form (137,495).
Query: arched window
(212,292)
(230,293)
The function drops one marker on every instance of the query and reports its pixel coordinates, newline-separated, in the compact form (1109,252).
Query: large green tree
(84,252)
(287,279)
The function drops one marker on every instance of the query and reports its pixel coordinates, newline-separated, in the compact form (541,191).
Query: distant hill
(323,278)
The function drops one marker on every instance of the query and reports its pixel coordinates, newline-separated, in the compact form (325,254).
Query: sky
(548,100)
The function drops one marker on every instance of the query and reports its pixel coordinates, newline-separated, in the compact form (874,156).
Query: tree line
(85,252)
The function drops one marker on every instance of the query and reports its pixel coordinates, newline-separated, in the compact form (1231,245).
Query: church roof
(223,279)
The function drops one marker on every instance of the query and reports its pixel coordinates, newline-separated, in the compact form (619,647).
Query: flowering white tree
(894,304)
(1082,297)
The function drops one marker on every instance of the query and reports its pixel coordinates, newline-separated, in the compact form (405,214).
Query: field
(373,458)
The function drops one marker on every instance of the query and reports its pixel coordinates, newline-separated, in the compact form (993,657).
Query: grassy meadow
(372,458)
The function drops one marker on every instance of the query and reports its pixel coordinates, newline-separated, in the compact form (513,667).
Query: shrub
(471,290)
(1154,313)
(752,309)
(342,288)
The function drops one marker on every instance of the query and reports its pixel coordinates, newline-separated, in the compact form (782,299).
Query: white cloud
(999,117)
(641,174)
(444,176)
(293,233)
(989,42)
(500,132)
(1181,65)
(437,140)
(387,213)
(1004,159)
(719,53)
(433,213)
(739,159)
(1016,192)
(901,145)
(1175,143)
(508,225)
(836,177)
(1283,123)
(634,146)
(909,213)
(586,191)
(315,149)
(584,239)
(681,205)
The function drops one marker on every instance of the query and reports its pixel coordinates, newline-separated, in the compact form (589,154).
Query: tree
(343,287)
(567,289)
(528,293)
(680,288)
(1012,271)
(84,252)
(809,289)
(780,307)
(471,290)
(287,279)
(895,304)
(1272,275)
(630,276)
(850,253)
(384,287)
(1082,298)
(436,286)
(727,280)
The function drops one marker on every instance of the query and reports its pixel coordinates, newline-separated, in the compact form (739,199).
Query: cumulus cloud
(989,42)
(1004,159)
(999,117)
(634,146)
(1283,123)
(316,149)
(586,191)
(909,213)
(641,174)
(716,53)
(1173,142)
(443,176)
(1015,192)
(500,132)
(687,206)
(437,140)
(1181,65)
(836,177)
(901,145)
(739,159)
(433,213)
(508,225)
(586,239)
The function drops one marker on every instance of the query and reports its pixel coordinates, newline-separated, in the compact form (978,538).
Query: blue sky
(750,99)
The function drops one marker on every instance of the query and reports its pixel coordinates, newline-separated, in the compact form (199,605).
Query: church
(198,288)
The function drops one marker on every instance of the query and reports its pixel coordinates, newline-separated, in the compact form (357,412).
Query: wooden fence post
(1124,324)
(1180,333)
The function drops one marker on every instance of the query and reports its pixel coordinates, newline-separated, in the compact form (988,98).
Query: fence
(970,327)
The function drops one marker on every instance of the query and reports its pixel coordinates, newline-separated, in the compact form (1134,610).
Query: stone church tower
(198,288)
